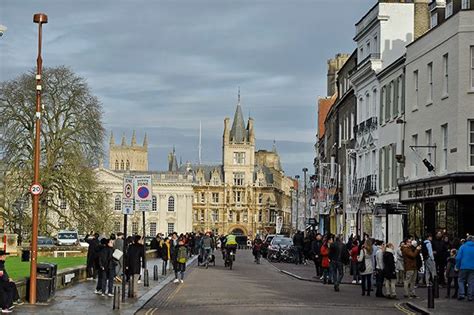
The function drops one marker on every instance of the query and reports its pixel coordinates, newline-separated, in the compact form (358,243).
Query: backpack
(345,257)
(424,251)
(182,255)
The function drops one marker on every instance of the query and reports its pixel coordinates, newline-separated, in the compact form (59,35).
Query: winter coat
(173,250)
(4,277)
(399,264)
(410,254)
(105,258)
(465,256)
(450,268)
(369,262)
(92,249)
(441,248)
(316,249)
(389,271)
(298,240)
(354,253)
(325,255)
(135,258)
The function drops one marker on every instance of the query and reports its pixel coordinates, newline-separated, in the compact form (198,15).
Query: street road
(259,289)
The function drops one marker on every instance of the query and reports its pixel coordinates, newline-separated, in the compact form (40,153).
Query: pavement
(442,305)
(80,298)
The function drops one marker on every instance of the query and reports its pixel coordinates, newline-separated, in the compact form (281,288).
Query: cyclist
(207,246)
(231,245)
(257,248)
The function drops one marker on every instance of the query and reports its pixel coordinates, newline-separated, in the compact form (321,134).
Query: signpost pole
(124,280)
(144,243)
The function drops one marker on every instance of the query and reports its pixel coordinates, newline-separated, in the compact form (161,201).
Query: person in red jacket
(325,261)
(354,254)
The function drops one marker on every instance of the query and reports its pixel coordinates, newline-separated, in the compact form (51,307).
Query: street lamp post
(40,19)
(305,170)
(297,199)
(291,211)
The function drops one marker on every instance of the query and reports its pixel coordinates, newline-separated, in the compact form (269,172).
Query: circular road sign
(143,192)
(36,189)
(128,191)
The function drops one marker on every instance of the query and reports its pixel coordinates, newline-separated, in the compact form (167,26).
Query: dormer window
(434,20)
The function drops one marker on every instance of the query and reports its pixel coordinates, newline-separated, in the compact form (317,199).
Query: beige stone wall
(137,156)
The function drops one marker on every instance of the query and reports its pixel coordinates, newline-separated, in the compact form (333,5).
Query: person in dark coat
(174,250)
(298,242)
(107,267)
(93,241)
(135,261)
(98,264)
(316,253)
(389,271)
(441,254)
(8,290)
(155,244)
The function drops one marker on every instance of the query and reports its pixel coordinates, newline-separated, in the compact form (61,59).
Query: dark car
(44,241)
(266,243)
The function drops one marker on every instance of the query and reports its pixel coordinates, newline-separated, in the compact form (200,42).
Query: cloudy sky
(161,67)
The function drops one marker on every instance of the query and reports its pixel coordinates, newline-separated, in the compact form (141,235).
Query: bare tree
(72,137)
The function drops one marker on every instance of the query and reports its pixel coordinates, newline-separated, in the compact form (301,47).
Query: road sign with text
(127,196)
(142,192)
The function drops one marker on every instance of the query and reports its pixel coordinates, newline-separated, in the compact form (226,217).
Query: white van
(68,238)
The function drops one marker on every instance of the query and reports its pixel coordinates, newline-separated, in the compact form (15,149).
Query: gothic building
(248,192)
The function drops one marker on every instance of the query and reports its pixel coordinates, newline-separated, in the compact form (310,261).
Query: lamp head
(305,169)
(3,28)
(40,18)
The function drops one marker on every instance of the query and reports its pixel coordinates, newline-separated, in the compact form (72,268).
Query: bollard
(116,301)
(155,272)
(430,296)
(436,287)
(131,286)
(146,279)
(163,268)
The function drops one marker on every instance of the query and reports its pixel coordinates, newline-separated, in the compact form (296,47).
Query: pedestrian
(316,252)
(165,255)
(337,250)
(135,261)
(428,259)
(465,265)
(367,268)
(389,271)
(354,267)
(411,250)
(325,262)
(298,242)
(379,267)
(98,265)
(452,274)
(107,268)
(155,244)
(173,246)
(179,261)
(8,290)
(399,264)
(118,246)
(257,248)
(93,240)
(441,254)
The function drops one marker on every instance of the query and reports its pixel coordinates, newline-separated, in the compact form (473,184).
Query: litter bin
(25,255)
(45,281)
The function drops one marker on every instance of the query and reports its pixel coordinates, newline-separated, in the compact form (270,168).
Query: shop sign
(425,192)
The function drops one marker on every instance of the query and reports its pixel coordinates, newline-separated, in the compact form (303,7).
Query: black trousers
(379,282)
(317,265)
(8,294)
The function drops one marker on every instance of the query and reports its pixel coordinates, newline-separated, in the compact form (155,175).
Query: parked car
(281,249)
(44,242)
(267,241)
(68,238)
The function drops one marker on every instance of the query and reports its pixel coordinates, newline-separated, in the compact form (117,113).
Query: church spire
(238,97)
(134,139)
(124,143)
(145,141)
(238,133)
(112,140)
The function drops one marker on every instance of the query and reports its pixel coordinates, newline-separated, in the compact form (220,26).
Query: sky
(162,67)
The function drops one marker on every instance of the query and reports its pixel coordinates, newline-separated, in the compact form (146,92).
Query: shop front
(442,203)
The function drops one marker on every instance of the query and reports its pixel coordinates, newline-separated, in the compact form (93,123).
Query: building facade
(248,192)
(439,124)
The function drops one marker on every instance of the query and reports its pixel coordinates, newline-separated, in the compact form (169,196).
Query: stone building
(248,192)
(126,157)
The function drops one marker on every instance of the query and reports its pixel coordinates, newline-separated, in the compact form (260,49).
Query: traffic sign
(36,189)
(127,198)
(143,192)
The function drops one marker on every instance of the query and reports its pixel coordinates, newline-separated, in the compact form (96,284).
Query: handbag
(117,254)
(361,264)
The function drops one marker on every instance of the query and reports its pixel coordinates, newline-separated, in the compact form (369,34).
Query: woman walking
(366,266)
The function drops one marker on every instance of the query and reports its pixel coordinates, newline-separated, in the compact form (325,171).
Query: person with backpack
(452,274)
(411,250)
(389,271)
(336,250)
(428,259)
(180,261)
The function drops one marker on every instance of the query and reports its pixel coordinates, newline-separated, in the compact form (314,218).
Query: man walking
(336,266)
(465,265)
(440,252)
(298,242)
(118,245)
(379,266)
(428,258)
(410,251)
(93,240)
(316,250)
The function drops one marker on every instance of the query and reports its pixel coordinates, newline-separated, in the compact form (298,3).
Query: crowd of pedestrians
(379,266)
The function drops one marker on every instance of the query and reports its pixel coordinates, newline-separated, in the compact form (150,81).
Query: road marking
(403,309)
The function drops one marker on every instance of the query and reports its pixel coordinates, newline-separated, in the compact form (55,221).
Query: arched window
(128,165)
(118,203)
(171,203)
(116,164)
(153,204)
(122,165)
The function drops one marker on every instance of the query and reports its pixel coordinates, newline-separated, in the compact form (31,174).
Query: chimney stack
(422,17)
